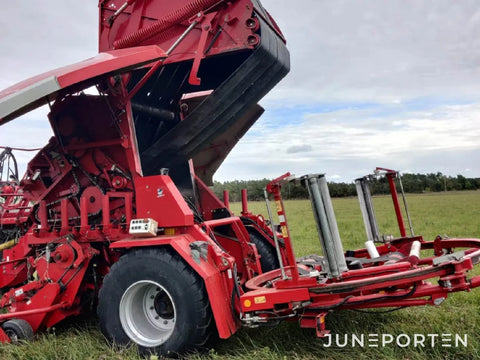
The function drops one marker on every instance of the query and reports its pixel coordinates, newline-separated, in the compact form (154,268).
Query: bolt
(151,307)
(165,322)
(250,23)
(184,107)
(152,297)
(438,301)
(252,40)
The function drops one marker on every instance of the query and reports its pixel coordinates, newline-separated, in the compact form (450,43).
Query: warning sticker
(260,300)
(279,206)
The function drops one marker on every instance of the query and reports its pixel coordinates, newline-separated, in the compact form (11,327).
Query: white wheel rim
(147,313)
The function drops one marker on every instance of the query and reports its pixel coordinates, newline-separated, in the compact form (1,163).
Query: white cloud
(392,54)
(299,149)
(384,50)
(346,143)
(57,33)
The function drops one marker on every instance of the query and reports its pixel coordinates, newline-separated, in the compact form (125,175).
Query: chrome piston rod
(368,212)
(326,224)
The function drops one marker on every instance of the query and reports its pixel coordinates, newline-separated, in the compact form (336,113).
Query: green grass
(452,214)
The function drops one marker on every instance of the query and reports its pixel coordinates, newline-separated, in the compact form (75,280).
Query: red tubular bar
(20,314)
(43,215)
(64,214)
(475,282)
(396,205)
(106,207)
(286,233)
(144,79)
(363,288)
(226,199)
(274,187)
(106,211)
(244,202)
(84,213)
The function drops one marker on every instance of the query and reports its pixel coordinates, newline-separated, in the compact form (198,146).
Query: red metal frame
(69,216)
(391,175)
(398,282)
(35,91)
(274,187)
(82,189)
(215,270)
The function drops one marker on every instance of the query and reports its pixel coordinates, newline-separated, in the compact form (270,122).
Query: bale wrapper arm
(394,274)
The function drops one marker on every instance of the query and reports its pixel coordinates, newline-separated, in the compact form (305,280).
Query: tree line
(412,183)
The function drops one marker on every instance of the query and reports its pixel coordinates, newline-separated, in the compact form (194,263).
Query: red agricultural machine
(115,213)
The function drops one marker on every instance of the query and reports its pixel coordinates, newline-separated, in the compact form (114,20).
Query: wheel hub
(147,313)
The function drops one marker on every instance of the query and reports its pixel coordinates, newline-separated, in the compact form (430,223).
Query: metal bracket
(456,256)
(199,251)
(320,325)
(206,25)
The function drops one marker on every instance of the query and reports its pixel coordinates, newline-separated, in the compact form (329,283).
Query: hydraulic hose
(175,17)
(7,245)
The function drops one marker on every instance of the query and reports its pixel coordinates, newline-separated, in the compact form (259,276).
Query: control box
(143,227)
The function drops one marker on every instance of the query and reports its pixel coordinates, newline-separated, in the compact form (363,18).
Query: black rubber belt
(258,74)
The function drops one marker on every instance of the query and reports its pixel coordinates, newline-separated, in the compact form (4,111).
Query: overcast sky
(373,83)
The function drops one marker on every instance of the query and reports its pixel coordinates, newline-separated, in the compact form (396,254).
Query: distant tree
(461,182)
(412,183)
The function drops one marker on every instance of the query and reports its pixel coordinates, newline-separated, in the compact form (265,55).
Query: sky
(373,83)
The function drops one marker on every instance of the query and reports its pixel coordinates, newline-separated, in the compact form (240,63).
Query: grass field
(452,214)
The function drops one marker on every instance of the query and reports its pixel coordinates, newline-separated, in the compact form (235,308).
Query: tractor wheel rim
(12,335)
(147,313)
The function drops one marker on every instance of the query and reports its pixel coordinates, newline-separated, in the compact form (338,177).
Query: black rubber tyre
(268,253)
(18,330)
(152,298)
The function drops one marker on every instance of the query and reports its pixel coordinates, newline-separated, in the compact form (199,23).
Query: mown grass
(452,214)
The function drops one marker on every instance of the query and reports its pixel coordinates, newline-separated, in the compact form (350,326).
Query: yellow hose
(7,245)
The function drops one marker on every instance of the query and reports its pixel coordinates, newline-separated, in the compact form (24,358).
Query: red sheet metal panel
(36,91)
(158,198)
